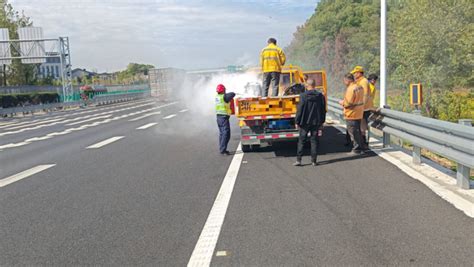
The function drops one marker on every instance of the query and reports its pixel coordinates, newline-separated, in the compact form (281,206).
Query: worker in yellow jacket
(360,79)
(353,104)
(272,58)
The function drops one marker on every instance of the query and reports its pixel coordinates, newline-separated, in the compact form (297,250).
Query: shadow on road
(331,142)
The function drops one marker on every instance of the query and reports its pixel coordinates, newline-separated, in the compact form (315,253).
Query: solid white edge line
(24,174)
(439,189)
(206,244)
(460,203)
(146,126)
(105,142)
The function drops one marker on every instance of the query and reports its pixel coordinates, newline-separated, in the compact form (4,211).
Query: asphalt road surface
(134,183)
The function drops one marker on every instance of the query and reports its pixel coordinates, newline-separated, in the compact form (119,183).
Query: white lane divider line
(82,127)
(184,110)
(105,142)
(24,174)
(91,119)
(146,126)
(206,244)
(43,124)
(169,116)
(145,116)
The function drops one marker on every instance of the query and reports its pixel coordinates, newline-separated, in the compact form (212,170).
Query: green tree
(17,73)
(428,42)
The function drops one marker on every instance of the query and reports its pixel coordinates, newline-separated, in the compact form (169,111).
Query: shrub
(14,100)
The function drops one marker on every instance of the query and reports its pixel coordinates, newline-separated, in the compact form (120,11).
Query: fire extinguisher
(232,106)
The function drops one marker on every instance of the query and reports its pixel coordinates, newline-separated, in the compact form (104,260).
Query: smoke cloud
(198,93)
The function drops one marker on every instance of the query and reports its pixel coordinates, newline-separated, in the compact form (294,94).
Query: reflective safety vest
(222,108)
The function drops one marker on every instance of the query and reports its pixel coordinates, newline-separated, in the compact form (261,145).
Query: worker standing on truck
(223,112)
(358,73)
(310,117)
(353,104)
(272,58)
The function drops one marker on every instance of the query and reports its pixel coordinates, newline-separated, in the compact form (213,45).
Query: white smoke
(199,94)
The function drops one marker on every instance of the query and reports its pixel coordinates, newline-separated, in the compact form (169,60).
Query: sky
(106,35)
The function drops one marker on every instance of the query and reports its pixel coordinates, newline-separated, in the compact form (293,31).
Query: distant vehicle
(165,81)
(264,120)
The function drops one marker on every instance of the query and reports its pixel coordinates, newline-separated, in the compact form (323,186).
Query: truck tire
(255,147)
(246,148)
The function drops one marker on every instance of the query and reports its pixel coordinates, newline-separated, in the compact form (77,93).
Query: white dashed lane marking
(24,174)
(91,119)
(184,110)
(114,108)
(82,127)
(145,116)
(146,126)
(169,116)
(58,121)
(105,142)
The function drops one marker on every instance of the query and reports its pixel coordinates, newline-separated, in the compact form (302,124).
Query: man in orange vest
(358,73)
(353,104)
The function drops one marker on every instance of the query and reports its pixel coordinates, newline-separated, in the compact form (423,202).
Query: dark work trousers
(313,131)
(273,78)
(224,132)
(353,128)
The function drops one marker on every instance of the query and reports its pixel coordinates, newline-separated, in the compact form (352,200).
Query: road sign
(416,94)
(5,47)
(31,44)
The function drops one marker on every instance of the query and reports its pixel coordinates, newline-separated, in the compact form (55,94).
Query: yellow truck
(269,119)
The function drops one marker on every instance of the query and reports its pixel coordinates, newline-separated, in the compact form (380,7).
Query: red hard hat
(220,89)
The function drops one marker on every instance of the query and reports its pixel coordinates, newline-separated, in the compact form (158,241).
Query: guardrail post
(416,149)
(463,172)
(386,136)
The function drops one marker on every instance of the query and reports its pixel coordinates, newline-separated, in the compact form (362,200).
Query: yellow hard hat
(357,69)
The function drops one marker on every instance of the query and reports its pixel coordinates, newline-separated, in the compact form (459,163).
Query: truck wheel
(246,148)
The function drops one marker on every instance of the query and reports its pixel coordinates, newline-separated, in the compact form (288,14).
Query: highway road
(142,183)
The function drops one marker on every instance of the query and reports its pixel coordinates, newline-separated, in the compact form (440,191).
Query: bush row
(15,100)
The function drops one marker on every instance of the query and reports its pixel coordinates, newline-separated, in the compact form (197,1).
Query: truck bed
(257,108)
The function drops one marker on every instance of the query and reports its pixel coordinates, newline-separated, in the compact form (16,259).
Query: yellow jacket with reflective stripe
(272,58)
(354,102)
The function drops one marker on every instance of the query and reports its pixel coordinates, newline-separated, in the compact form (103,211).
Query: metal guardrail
(98,100)
(450,140)
(116,98)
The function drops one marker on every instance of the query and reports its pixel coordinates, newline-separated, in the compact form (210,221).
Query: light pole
(383,53)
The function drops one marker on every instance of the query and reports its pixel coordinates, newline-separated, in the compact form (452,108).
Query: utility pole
(4,73)
(383,53)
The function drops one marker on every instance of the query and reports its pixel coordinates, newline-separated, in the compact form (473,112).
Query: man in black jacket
(310,117)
